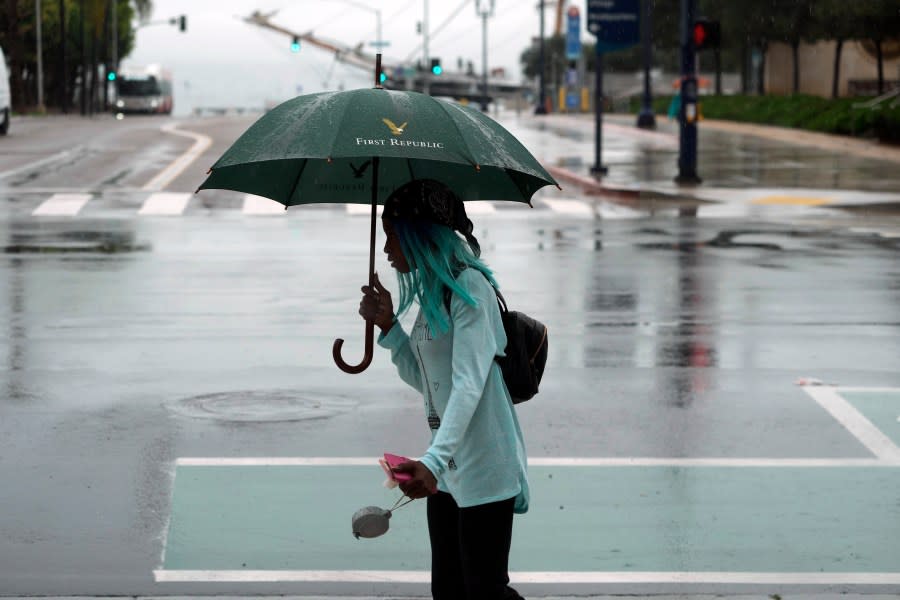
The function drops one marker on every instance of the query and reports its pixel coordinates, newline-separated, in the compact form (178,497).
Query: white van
(4,95)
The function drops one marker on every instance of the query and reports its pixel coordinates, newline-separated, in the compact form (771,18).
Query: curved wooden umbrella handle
(370,325)
(367,356)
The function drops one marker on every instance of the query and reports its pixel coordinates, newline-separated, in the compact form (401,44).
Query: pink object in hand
(391,461)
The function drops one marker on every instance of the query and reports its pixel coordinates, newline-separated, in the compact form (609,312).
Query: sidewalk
(739,163)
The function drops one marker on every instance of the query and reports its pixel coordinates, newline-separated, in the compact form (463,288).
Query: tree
(841,21)
(792,22)
(881,22)
(68,58)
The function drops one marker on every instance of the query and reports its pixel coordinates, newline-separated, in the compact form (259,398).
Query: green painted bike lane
(660,518)
(741,520)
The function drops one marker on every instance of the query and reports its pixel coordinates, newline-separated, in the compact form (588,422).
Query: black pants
(470,549)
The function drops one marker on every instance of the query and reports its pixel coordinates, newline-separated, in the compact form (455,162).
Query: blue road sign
(573,33)
(616,23)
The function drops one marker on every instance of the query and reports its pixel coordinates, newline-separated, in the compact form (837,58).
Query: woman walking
(473,474)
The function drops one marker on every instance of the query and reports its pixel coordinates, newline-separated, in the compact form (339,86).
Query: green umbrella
(359,146)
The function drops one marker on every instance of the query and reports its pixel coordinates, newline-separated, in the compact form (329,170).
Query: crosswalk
(175,204)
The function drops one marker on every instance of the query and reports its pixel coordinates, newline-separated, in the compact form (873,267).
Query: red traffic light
(700,35)
(706,34)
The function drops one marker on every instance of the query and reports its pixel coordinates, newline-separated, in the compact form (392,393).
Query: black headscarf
(431,201)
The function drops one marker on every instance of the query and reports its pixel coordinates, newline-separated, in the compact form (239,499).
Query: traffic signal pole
(598,170)
(647,118)
(689,112)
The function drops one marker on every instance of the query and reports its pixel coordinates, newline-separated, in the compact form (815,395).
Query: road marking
(61,205)
(569,207)
(176,167)
(259,205)
(363,461)
(792,200)
(474,207)
(858,425)
(362,210)
(536,577)
(480,207)
(165,203)
(40,163)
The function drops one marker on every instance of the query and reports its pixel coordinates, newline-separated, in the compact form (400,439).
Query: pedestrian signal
(436,66)
(706,34)
(295,44)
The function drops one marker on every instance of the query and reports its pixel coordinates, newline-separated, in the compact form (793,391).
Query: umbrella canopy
(318,148)
(359,146)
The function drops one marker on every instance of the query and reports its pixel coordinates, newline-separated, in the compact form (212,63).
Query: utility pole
(484,13)
(40,57)
(541,108)
(426,83)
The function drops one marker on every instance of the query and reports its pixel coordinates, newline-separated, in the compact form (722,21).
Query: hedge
(843,116)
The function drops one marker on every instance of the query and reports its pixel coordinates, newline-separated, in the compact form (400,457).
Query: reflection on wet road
(133,342)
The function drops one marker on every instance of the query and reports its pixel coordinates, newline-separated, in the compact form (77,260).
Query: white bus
(144,90)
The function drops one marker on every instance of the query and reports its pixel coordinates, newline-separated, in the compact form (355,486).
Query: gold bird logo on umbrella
(393,127)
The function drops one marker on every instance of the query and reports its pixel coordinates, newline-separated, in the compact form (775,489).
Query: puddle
(263,406)
(71,242)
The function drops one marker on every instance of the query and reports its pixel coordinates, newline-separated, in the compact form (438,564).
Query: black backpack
(526,350)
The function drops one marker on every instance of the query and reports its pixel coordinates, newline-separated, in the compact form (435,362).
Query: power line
(437,30)
(402,10)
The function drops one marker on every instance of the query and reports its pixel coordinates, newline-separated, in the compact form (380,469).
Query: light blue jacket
(477,451)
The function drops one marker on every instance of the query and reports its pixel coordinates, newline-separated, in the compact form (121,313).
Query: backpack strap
(501,301)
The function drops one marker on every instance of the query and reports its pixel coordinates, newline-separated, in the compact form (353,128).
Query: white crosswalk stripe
(362,210)
(257,205)
(165,203)
(61,205)
(569,207)
(175,204)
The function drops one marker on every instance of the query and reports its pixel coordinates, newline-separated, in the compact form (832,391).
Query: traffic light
(382,77)
(436,66)
(295,44)
(111,76)
(706,34)
(182,23)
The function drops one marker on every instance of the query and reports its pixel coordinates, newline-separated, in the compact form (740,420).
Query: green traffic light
(111,76)
(437,70)
(382,77)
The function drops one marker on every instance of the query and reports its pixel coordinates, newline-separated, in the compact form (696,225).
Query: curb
(623,195)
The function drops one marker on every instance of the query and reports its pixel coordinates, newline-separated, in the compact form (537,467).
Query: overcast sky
(222,60)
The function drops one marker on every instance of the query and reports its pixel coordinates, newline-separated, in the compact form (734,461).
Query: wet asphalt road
(209,334)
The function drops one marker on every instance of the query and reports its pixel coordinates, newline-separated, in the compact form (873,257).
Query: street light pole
(541,108)
(378,43)
(484,12)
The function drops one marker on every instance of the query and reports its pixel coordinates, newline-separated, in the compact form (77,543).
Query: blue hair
(436,256)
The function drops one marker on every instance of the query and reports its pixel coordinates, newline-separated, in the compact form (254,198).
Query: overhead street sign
(616,23)
(573,33)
